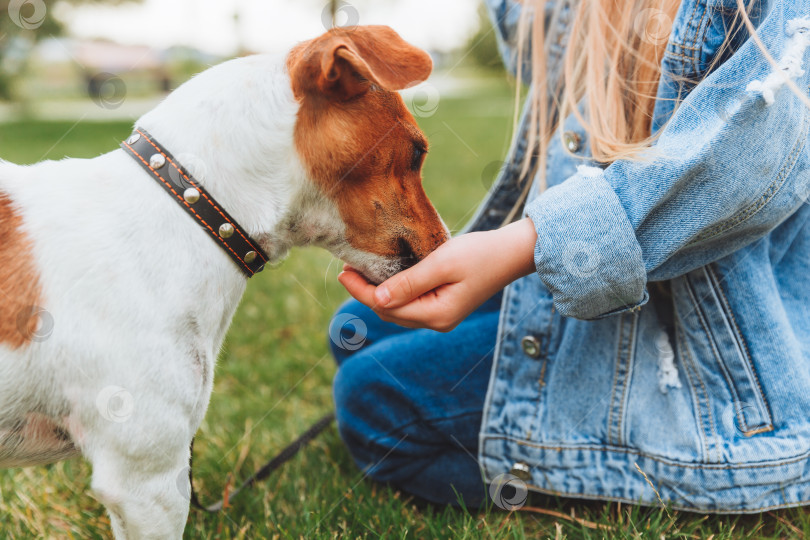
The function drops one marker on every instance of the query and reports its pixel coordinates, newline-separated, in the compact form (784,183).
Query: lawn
(273,380)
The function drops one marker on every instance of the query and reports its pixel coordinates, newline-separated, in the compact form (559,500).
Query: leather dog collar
(196,201)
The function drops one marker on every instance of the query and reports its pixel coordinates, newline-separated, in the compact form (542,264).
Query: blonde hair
(611,64)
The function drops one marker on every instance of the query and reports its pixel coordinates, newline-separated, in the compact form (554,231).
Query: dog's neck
(243,156)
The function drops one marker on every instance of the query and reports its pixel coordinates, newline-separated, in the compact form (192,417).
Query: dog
(114,302)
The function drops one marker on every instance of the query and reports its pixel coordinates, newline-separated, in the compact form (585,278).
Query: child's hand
(450,283)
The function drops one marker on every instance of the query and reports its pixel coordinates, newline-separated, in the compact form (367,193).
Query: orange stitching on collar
(258,251)
(189,207)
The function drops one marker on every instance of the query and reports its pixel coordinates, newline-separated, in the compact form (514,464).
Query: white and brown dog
(311,147)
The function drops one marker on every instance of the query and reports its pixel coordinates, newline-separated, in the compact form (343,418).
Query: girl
(653,329)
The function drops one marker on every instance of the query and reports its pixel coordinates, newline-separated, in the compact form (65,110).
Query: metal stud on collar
(226,230)
(195,201)
(157,161)
(191,195)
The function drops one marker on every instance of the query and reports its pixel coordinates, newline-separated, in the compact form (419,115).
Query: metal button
(191,195)
(135,137)
(572,140)
(226,230)
(522,471)
(157,161)
(530,346)
(250,256)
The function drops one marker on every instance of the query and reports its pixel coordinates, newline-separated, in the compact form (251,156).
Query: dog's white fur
(142,297)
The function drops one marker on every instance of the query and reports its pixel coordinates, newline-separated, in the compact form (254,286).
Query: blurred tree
(483,45)
(22,24)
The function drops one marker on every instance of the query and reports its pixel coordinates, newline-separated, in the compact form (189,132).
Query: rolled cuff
(587,253)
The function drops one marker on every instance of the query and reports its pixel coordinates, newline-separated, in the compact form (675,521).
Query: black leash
(280,458)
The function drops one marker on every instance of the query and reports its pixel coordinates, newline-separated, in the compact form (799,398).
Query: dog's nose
(407,256)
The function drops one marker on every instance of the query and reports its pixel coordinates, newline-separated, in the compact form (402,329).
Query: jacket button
(521,470)
(572,140)
(530,346)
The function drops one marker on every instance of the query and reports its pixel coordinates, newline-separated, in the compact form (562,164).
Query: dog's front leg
(144,500)
(146,496)
(140,472)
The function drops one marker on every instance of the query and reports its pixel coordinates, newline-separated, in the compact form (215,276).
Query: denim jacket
(664,343)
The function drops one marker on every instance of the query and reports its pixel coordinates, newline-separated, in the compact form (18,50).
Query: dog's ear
(345,62)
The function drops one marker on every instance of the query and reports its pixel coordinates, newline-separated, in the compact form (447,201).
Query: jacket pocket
(725,381)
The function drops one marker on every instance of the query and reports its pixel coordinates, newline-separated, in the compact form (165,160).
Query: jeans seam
(541,382)
(674,43)
(718,357)
(693,392)
(627,378)
(602,497)
(698,377)
(489,395)
(738,334)
(696,54)
(670,463)
(615,378)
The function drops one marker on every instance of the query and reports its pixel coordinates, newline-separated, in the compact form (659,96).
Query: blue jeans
(409,402)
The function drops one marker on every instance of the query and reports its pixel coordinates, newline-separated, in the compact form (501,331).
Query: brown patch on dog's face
(19,282)
(359,142)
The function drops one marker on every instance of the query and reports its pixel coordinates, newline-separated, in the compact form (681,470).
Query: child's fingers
(410,284)
(427,311)
(358,287)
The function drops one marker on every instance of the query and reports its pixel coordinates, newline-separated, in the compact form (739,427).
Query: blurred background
(112,59)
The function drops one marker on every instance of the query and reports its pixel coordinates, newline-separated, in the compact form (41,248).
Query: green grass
(273,380)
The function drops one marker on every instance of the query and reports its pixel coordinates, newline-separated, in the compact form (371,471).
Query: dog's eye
(418,156)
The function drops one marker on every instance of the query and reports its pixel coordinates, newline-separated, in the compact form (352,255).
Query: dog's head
(313,147)
(362,149)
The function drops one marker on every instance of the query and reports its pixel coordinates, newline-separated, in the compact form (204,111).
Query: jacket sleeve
(728,168)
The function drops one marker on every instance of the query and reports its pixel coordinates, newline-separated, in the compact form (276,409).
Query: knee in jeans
(353,390)
(362,418)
